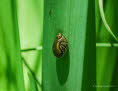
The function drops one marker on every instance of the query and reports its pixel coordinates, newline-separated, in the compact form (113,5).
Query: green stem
(33,74)
(106,44)
(32,49)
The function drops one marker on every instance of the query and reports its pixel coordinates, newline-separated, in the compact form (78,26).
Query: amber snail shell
(60,46)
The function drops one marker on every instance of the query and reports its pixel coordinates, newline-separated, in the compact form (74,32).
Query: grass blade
(33,85)
(10,57)
(68,17)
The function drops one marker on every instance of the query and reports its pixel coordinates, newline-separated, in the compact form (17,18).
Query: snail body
(60,46)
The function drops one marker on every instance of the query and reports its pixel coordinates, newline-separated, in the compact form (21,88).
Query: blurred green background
(21,27)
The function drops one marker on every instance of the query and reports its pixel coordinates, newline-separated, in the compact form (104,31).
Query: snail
(60,46)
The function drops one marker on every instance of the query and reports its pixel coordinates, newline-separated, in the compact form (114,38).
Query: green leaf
(89,66)
(10,58)
(30,19)
(104,20)
(69,17)
(106,58)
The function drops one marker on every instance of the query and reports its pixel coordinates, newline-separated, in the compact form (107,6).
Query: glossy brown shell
(60,46)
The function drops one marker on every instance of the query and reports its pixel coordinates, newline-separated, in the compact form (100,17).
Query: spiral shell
(60,46)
